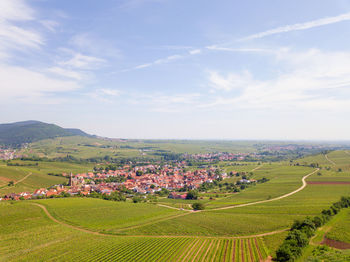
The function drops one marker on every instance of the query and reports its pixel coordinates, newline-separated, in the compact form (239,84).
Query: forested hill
(15,134)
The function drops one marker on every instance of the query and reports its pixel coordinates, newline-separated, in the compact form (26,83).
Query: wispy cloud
(301,26)
(165,60)
(312,80)
(81,61)
(104,94)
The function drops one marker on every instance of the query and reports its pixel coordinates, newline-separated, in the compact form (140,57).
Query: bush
(198,206)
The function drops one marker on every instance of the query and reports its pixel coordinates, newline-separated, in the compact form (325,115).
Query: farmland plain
(123,231)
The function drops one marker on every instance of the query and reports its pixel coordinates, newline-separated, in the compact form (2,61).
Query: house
(174,195)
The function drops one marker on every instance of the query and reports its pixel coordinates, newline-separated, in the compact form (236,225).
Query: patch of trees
(192,194)
(22,164)
(113,179)
(163,192)
(301,232)
(53,174)
(198,206)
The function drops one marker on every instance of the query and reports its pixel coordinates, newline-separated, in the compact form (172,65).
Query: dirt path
(24,178)
(329,160)
(151,236)
(162,205)
(64,224)
(272,199)
(256,168)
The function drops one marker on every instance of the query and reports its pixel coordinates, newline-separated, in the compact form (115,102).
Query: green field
(38,177)
(86,229)
(28,235)
(340,230)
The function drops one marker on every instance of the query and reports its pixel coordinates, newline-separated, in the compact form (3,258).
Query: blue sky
(195,69)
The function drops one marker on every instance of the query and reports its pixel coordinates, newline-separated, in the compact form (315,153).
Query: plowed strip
(190,251)
(216,250)
(225,251)
(250,251)
(258,248)
(233,250)
(242,251)
(206,252)
(199,250)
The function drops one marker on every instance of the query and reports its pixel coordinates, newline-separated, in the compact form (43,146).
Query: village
(147,179)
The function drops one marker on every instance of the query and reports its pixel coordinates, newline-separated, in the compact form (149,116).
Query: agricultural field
(87,147)
(340,230)
(28,235)
(30,178)
(102,215)
(245,226)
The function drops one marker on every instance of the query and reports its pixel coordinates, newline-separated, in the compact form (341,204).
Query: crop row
(174,249)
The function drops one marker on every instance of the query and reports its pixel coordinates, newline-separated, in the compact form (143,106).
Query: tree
(139,173)
(192,194)
(198,206)
(284,254)
(136,199)
(11,183)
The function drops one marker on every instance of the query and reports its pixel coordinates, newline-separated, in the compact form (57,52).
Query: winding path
(258,202)
(273,199)
(152,236)
(24,178)
(329,160)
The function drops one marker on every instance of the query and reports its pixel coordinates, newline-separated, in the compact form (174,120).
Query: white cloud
(81,61)
(231,81)
(30,84)
(66,73)
(50,24)
(195,51)
(312,80)
(104,94)
(301,26)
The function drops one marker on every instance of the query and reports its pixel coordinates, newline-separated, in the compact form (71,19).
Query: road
(272,199)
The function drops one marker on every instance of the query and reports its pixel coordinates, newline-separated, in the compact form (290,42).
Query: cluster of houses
(141,179)
(8,154)
(221,156)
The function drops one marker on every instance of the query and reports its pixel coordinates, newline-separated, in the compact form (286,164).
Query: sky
(179,69)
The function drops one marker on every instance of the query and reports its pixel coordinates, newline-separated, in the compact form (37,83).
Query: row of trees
(302,231)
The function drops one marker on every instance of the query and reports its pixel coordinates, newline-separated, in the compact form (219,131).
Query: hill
(30,131)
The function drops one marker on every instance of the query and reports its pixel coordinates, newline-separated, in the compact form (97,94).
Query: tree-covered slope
(30,131)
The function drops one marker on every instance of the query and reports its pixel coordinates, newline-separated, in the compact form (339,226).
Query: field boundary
(272,199)
(47,213)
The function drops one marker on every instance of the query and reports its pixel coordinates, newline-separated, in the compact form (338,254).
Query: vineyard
(163,249)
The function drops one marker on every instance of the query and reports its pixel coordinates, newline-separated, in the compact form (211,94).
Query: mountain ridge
(18,133)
